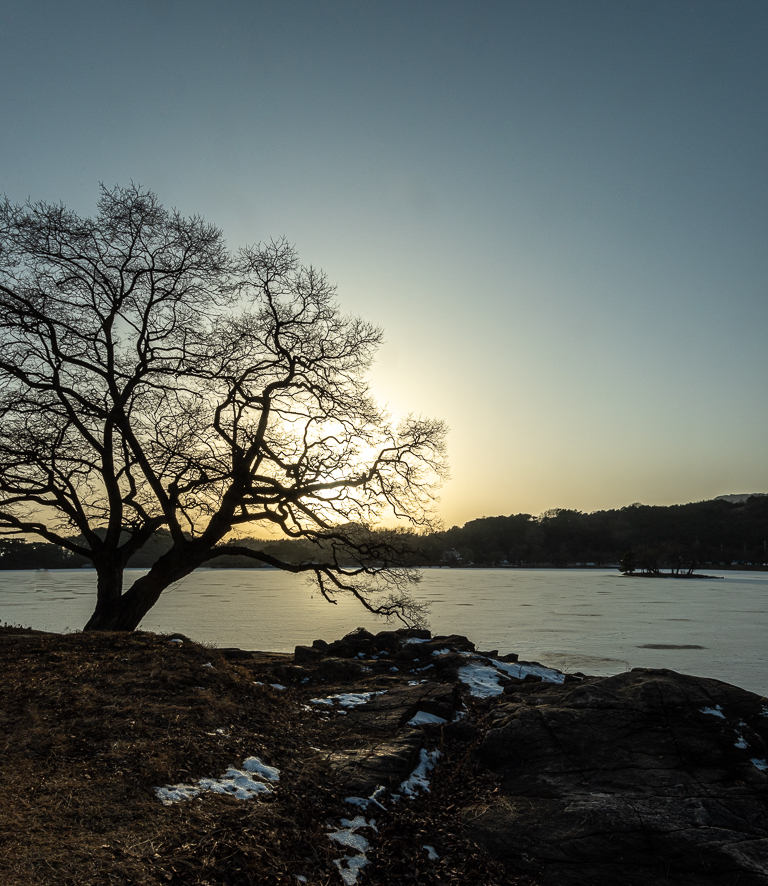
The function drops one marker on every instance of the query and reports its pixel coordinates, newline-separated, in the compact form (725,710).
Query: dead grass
(91,723)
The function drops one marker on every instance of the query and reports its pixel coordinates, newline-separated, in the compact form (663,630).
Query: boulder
(649,777)
(387,763)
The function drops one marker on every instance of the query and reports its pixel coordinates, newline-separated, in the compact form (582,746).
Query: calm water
(579,620)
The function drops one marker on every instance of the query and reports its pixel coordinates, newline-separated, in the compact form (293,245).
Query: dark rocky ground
(648,777)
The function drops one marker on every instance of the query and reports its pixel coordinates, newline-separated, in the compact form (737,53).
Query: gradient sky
(557,209)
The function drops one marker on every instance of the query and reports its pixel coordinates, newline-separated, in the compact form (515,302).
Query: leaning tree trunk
(116,611)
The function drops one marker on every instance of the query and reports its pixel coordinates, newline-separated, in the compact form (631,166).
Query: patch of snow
(393,670)
(364,802)
(207,665)
(741,742)
(716,711)
(441,651)
(422,718)
(350,867)
(411,640)
(762,765)
(277,686)
(348,699)
(176,793)
(301,878)
(432,855)
(521,669)
(177,641)
(417,780)
(483,679)
(348,838)
(254,764)
(238,783)
(359,822)
(235,782)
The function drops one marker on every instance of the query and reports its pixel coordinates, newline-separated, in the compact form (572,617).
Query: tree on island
(150,378)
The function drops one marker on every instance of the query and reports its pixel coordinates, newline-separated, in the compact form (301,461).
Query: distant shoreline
(669,575)
(611,567)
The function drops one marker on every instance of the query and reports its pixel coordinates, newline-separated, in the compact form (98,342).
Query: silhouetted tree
(628,563)
(150,378)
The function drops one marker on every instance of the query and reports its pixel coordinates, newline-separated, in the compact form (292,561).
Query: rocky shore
(390,758)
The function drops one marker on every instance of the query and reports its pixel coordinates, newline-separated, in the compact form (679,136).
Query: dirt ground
(90,724)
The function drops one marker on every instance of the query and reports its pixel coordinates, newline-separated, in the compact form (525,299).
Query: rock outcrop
(649,777)
(643,778)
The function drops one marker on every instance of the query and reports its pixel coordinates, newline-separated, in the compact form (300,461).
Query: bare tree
(150,378)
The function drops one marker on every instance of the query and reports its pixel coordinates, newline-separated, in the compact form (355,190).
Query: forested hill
(678,537)
(645,537)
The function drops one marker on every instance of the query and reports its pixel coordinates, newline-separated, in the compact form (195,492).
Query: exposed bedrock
(649,777)
(643,778)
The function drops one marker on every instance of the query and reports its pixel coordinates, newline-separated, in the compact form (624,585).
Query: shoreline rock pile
(647,777)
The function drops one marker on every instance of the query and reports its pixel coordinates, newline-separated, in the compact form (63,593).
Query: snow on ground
(364,802)
(238,783)
(254,764)
(350,866)
(456,651)
(422,718)
(483,679)
(347,699)
(347,834)
(762,765)
(349,839)
(716,711)
(521,669)
(418,781)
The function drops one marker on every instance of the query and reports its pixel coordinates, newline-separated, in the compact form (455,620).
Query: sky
(556,210)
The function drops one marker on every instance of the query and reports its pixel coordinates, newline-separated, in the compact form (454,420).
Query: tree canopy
(150,378)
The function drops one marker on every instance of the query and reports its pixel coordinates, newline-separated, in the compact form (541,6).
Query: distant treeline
(644,537)
(639,537)
(20,554)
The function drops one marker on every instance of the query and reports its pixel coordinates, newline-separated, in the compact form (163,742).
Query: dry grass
(91,723)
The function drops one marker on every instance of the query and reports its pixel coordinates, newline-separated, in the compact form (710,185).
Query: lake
(591,620)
